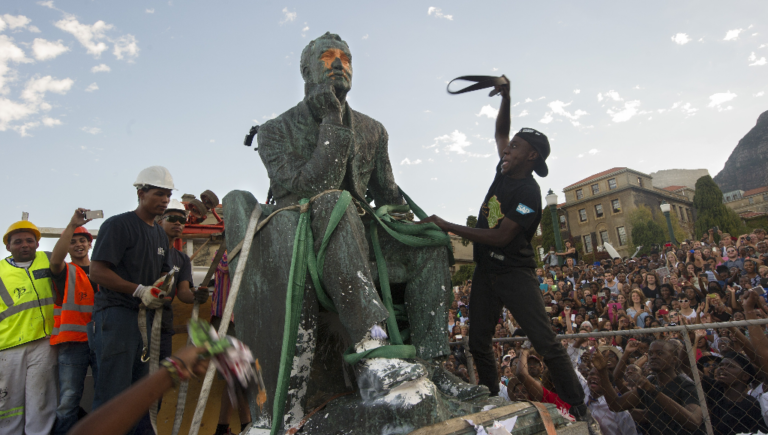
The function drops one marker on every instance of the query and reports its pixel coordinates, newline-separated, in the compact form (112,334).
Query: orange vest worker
(69,319)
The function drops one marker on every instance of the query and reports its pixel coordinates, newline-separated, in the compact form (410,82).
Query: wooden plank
(456,426)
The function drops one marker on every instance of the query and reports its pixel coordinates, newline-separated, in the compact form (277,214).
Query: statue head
(327,60)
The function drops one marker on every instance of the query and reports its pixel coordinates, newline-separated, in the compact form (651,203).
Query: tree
(471,222)
(646,231)
(711,212)
(464,273)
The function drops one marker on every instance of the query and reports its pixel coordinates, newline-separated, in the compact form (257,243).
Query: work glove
(151,295)
(201,295)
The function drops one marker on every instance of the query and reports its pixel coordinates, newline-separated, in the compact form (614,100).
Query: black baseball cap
(539,142)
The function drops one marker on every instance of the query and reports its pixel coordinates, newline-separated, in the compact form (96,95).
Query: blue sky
(91,92)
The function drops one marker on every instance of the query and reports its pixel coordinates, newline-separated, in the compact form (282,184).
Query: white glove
(150,296)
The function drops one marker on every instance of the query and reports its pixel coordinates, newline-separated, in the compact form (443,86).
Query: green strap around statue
(304,260)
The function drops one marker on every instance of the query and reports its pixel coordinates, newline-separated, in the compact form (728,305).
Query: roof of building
(751,214)
(596,176)
(755,191)
(673,188)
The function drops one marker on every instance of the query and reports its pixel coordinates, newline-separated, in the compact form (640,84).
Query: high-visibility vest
(26,301)
(69,319)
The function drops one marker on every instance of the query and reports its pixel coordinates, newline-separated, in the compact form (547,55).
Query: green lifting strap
(304,260)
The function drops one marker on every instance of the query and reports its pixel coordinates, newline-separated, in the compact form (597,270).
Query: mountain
(746,167)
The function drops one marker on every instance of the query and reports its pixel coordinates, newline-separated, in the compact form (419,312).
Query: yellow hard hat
(21,225)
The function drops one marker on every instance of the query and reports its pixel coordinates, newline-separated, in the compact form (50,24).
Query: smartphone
(648,303)
(663,312)
(599,319)
(712,296)
(573,317)
(759,290)
(94,214)
(594,298)
(458,337)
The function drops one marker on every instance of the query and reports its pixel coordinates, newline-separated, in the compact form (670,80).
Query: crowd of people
(643,383)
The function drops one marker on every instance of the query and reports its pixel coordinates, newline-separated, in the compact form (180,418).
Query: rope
(304,260)
(154,351)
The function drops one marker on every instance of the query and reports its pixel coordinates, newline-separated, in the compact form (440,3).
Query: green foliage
(761,222)
(464,273)
(711,212)
(646,231)
(471,222)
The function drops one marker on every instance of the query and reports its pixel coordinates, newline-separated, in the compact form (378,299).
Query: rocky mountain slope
(747,166)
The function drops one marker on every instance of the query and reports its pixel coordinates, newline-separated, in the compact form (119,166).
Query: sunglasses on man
(176,219)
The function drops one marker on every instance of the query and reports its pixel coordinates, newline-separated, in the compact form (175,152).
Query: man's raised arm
(503,119)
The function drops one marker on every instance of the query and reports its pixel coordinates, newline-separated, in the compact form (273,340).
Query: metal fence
(736,415)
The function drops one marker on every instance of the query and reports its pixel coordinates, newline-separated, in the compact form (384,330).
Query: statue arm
(382,183)
(292,170)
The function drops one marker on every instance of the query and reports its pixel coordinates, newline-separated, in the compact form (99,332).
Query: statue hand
(324,104)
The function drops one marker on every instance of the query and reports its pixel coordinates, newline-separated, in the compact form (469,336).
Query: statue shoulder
(365,121)
(283,124)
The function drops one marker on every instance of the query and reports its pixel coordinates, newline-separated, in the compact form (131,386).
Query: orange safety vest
(69,320)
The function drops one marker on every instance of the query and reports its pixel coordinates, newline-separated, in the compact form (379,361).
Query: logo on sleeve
(523,209)
(160,251)
(494,212)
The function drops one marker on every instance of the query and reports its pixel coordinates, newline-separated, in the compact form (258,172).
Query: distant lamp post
(552,203)
(665,208)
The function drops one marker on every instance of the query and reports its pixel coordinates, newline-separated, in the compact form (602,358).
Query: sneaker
(451,385)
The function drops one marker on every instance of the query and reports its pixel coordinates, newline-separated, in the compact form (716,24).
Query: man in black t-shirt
(128,259)
(732,409)
(508,219)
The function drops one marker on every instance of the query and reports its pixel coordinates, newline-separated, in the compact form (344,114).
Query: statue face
(332,65)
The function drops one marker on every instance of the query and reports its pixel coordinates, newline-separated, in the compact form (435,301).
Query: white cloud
(488,111)
(272,116)
(126,44)
(593,151)
(365,36)
(16,22)
(9,52)
(101,68)
(557,107)
(455,142)
(439,13)
(577,91)
(686,108)
(37,87)
(613,95)
(755,61)
(33,103)
(494,69)
(288,16)
(580,155)
(305,28)
(92,87)
(50,122)
(150,11)
(681,38)
(407,161)
(45,50)
(732,35)
(759,94)
(91,130)
(89,36)
(527,100)
(523,113)
(47,4)
(547,118)
(625,113)
(716,101)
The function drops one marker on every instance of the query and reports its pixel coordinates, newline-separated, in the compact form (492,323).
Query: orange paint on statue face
(330,56)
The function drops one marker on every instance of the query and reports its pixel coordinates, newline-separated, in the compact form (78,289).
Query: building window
(688,213)
(599,210)
(562,222)
(640,181)
(538,230)
(615,205)
(611,184)
(579,194)
(541,253)
(751,200)
(583,215)
(588,243)
(622,236)
(595,189)
(604,237)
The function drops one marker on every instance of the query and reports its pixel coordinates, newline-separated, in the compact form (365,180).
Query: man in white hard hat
(27,360)
(128,263)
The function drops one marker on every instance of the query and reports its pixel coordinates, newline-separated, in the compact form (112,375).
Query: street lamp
(665,207)
(552,203)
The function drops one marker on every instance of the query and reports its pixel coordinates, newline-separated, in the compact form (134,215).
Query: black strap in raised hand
(482,83)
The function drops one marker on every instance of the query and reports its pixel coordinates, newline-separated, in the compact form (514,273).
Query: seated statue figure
(322,145)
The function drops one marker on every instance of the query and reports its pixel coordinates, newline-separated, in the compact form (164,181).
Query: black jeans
(519,291)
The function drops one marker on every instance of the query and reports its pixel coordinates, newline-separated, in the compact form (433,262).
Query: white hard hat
(175,205)
(156,176)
